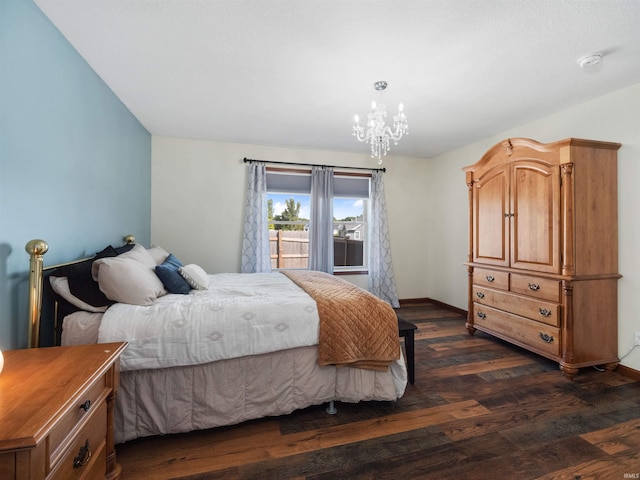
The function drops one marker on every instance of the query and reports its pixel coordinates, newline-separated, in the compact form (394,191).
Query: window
(289,202)
(349,232)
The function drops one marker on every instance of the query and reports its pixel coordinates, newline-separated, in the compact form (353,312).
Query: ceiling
(294,72)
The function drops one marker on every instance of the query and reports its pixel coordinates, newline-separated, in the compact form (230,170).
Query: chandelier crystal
(378,133)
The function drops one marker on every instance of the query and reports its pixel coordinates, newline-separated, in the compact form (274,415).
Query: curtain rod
(315,165)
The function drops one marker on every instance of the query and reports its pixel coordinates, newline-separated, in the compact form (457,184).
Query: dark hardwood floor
(479,409)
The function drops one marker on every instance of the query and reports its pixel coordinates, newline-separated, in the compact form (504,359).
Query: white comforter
(238,315)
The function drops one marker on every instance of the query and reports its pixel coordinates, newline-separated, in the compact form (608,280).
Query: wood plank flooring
(479,409)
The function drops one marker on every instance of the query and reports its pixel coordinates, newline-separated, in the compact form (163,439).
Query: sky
(342,207)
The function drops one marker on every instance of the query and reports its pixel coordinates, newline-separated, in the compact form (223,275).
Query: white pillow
(60,285)
(158,254)
(195,276)
(80,328)
(129,277)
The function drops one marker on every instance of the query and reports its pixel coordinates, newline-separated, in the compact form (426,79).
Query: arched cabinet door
(534,214)
(490,217)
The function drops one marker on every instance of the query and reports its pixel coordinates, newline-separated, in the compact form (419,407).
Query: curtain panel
(256,255)
(321,228)
(381,279)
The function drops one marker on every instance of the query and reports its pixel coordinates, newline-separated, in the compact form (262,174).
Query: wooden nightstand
(406,329)
(56,412)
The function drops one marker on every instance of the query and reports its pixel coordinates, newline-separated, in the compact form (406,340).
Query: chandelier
(378,133)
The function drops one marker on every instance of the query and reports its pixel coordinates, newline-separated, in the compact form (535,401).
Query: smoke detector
(590,60)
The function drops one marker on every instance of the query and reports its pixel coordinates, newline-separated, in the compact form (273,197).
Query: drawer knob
(546,337)
(490,278)
(482,315)
(84,455)
(544,312)
(86,405)
(534,286)
(479,294)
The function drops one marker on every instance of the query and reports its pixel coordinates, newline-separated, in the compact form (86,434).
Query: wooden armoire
(543,249)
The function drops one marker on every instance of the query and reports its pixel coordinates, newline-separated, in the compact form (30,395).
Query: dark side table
(407,329)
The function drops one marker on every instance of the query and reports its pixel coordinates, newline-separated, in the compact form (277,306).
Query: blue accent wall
(75,164)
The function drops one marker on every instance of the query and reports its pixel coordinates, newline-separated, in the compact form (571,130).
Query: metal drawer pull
(86,405)
(534,286)
(490,278)
(546,337)
(482,315)
(479,294)
(84,455)
(544,312)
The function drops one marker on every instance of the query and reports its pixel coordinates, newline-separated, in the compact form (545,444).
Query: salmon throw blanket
(357,329)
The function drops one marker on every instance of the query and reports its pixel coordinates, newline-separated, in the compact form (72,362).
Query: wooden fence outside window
(290,249)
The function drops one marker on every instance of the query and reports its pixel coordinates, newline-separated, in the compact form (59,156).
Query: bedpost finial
(129,239)
(36,247)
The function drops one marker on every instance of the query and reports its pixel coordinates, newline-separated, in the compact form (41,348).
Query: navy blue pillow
(169,274)
(124,248)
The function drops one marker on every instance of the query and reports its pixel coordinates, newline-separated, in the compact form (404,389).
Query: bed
(275,344)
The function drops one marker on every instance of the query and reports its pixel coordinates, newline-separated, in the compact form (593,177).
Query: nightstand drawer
(532,308)
(491,278)
(543,288)
(519,330)
(68,424)
(86,450)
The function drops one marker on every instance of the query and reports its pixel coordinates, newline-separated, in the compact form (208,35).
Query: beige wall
(198,197)
(198,202)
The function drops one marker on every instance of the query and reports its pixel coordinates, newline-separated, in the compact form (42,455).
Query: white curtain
(381,279)
(321,229)
(255,239)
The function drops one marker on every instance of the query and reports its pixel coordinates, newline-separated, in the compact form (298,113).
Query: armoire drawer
(543,288)
(491,278)
(539,336)
(539,310)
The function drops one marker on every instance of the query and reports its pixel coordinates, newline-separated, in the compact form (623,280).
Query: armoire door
(490,218)
(534,214)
